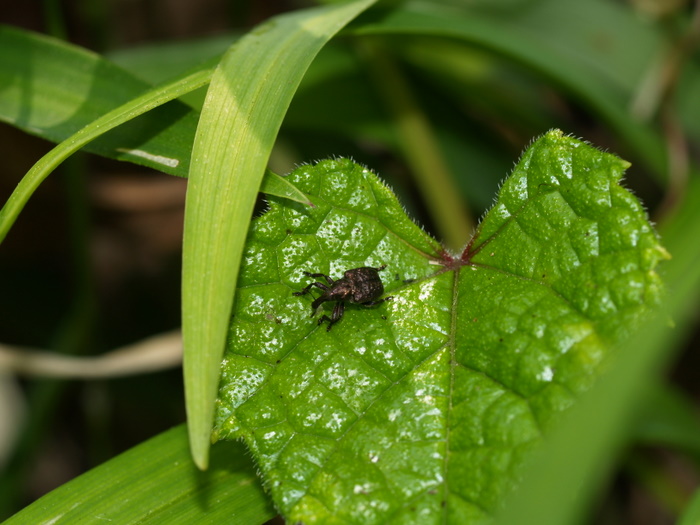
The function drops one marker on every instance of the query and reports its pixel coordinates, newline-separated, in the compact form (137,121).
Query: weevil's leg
(338,311)
(378,301)
(308,288)
(337,314)
(328,279)
(317,302)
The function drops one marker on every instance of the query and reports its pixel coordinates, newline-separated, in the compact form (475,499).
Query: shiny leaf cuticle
(423,408)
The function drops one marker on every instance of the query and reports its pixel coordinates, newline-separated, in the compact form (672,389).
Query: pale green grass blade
(156,482)
(247,100)
(111,120)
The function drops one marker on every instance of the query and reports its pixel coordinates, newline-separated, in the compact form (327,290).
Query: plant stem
(421,149)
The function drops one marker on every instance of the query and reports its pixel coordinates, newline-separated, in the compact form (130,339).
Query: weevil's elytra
(361,286)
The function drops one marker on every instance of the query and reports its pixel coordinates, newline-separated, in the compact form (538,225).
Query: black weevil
(361,286)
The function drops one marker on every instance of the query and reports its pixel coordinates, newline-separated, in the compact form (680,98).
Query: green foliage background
(439,98)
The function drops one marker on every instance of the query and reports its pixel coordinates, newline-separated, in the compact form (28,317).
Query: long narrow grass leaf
(249,95)
(156,482)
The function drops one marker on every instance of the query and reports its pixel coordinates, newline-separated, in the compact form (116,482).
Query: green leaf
(53,90)
(423,409)
(249,94)
(156,482)
(156,62)
(579,454)
(87,134)
(79,109)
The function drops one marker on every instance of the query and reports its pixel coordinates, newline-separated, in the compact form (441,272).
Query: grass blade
(156,482)
(247,100)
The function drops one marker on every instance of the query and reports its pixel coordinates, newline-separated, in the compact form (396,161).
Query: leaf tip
(199,448)
(554,133)
(664,254)
(201,459)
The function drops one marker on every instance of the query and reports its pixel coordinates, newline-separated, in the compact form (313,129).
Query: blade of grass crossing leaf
(36,175)
(156,482)
(246,102)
